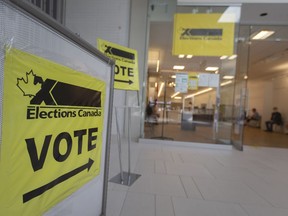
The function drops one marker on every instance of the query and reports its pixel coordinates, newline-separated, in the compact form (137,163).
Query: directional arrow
(38,191)
(124,81)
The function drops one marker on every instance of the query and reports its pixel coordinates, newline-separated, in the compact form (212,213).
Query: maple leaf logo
(29,85)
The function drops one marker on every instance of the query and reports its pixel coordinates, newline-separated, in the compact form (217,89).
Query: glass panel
(204,113)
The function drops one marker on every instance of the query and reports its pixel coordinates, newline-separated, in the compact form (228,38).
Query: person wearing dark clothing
(276,118)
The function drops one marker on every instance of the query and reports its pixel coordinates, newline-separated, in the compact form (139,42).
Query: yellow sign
(192,81)
(51,133)
(202,35)
(126,64)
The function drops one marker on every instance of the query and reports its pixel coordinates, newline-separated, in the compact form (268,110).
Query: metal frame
(46,20)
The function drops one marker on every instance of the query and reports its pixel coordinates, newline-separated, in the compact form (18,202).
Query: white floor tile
(160,167)
(159,185)
(117,198)
(138,204)
(228,191)
(265,211)
(188,169)
(191,189)
(164,206)
(189,207)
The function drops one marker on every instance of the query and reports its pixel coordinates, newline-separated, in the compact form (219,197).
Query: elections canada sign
(51,133)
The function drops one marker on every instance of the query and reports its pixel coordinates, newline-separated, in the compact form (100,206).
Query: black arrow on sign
(38,191)
(124,81)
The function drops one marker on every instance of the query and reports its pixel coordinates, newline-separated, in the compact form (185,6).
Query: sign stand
(124,178)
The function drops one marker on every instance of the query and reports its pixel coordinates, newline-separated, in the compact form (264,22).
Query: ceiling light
(178,67)
(228,77)
(157,67)
(211,68)
(181,56)
(198,93)
(175,94)
(245,77)
(189,56)
(223,57)
(216,72)
(173,76)
(226,83)
(262,35)
(232,57)
(160,90)
(178,98)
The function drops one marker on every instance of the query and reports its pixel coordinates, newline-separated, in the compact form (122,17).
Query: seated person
(276,118)
(255,116)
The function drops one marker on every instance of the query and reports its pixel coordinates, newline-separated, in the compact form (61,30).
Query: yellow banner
(126,64)
(202,35)
(51,133)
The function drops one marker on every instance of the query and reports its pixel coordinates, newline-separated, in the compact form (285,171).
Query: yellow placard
(51,133)
(202,35)
(192,81)
(126,64)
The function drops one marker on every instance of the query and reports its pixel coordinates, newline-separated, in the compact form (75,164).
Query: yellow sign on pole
(126,64)
(51,133)
(202,35)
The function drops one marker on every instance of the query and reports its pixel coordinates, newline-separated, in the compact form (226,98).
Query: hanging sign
(202,35)
(181,82)
(192,81)
(126,64)
(51,133)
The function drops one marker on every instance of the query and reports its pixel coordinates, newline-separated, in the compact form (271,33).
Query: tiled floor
(191,181)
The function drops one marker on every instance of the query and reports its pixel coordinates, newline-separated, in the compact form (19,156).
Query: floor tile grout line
(193,180)
(173,207)
(183,187)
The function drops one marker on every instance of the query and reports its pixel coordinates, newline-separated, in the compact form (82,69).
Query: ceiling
(266,57)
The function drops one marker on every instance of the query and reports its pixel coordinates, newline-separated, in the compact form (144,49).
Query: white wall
(266,94)
(109,20)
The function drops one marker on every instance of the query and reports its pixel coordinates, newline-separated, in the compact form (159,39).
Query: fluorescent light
(172,96)
(216,72)
(178,67)
(223,57)
(157,67)
(160,90)
(211,68)
(181,56)
(189,56)
(178,98)
(173,76)
(226,83)
(228,77)
(198,93)
(232,57)
(263,35)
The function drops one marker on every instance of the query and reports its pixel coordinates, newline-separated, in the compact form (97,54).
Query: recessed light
(263,35)
(228,77)
(223,57)
(178,67)
(232,57)
(181,56)
(189,56)
(212,68)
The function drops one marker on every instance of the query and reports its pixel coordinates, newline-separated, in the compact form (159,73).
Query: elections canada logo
(54,99)
(201,34)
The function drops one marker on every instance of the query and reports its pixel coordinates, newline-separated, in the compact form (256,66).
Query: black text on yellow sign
(126,64)
(51,133)
(202,35)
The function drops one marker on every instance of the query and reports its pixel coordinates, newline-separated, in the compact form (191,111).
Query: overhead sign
(51,133)
(192,81)
(181,82)
(126,64)
(202,35)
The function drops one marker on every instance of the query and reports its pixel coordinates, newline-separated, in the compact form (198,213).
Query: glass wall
(194,103)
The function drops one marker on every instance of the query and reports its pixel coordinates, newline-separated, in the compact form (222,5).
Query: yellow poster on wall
(126,64)
(52,126)
(202,35)
(192,81)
